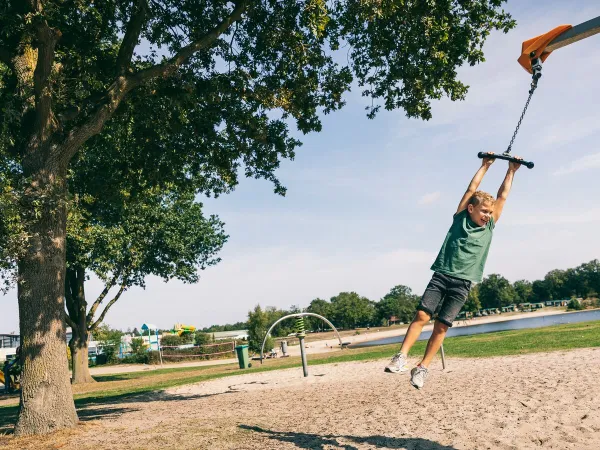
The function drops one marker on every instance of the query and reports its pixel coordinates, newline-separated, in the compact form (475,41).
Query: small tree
(150,233)
(399,302)
(496,291)
(321,307)
(575,305)
(472,304)
(523,291)
(173,340)
(258,323)
(202,338)
(138,346)
(350,310)
(109,341)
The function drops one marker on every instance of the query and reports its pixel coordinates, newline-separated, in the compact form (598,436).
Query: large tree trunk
(46,397)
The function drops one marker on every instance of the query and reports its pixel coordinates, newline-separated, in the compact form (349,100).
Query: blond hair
(481,197)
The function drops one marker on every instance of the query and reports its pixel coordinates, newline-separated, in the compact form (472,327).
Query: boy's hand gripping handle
(506,157)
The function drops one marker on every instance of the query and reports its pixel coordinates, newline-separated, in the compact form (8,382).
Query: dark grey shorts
(444,296)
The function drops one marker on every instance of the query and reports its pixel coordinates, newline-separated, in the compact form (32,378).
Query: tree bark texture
(79,357)
(77,319)
(46,398)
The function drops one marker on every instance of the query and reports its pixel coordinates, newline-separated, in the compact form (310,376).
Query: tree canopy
(156,233)
(199,92)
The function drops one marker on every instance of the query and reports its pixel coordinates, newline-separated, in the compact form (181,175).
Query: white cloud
(585,163)
(430,198)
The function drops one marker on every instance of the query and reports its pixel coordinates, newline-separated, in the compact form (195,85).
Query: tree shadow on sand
(319,442)
(112,406)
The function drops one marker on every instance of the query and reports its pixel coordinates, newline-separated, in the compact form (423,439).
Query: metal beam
(577,33)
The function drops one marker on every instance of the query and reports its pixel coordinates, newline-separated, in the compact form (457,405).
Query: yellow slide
(3,381)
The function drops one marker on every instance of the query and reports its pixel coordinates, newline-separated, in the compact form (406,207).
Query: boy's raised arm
(504,190)
(474,184)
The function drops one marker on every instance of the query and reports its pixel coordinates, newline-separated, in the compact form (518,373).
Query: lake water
(516,324)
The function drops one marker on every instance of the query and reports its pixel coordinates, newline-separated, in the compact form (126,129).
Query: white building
(8,346)
(229,335)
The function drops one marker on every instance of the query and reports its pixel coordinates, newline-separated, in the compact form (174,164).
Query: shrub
(172,340)
(202,338)
(138,347)
(574,304)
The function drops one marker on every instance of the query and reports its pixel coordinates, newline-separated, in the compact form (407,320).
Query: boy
(460,262)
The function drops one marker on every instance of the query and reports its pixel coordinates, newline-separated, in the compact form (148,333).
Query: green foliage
(109,341)
(575,305)
(473,304)
(202,338)
(258,325)
(350,310)
(496,291)
(168,340)
(138,347)
(226,109)
(321,307)
(226,327)
(581,281)
(523,291)
(399,302)
(157,233)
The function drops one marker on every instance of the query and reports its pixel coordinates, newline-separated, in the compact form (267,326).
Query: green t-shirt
(465,249)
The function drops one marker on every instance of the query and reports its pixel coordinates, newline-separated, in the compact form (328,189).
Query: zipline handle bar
(505,157)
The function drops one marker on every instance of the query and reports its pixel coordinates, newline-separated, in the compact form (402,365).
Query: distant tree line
(226,327)
(349,310)
(496,291)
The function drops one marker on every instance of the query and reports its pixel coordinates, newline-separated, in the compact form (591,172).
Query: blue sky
(369,201)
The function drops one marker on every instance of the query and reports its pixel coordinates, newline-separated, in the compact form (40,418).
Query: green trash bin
(242,354)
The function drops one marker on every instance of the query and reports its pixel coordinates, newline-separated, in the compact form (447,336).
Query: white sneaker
(397,364)
(418,376)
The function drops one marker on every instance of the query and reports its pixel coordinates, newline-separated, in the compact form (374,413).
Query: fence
(202,352)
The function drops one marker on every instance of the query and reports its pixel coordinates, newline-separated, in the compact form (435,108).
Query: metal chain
(531,91)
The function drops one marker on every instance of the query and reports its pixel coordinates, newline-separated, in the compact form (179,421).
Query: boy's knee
(422,317)
(440,327)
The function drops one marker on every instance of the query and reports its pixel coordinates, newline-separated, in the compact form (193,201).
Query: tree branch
(132,35)
(168,68)
(46,39)
(71,308)
(123,84)
(70,322)
(108,287)
(112,302)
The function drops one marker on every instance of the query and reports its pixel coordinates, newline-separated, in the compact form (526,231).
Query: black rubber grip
(527,164)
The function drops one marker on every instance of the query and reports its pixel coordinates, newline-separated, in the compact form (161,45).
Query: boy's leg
(434,343)
(429,302)
(414,331)
(432,297)
(456,296)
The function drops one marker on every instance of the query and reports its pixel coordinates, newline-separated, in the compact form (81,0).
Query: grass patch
(116,388)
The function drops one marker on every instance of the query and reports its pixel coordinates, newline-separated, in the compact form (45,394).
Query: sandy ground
(124,368)
(327,345)
(544,400)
